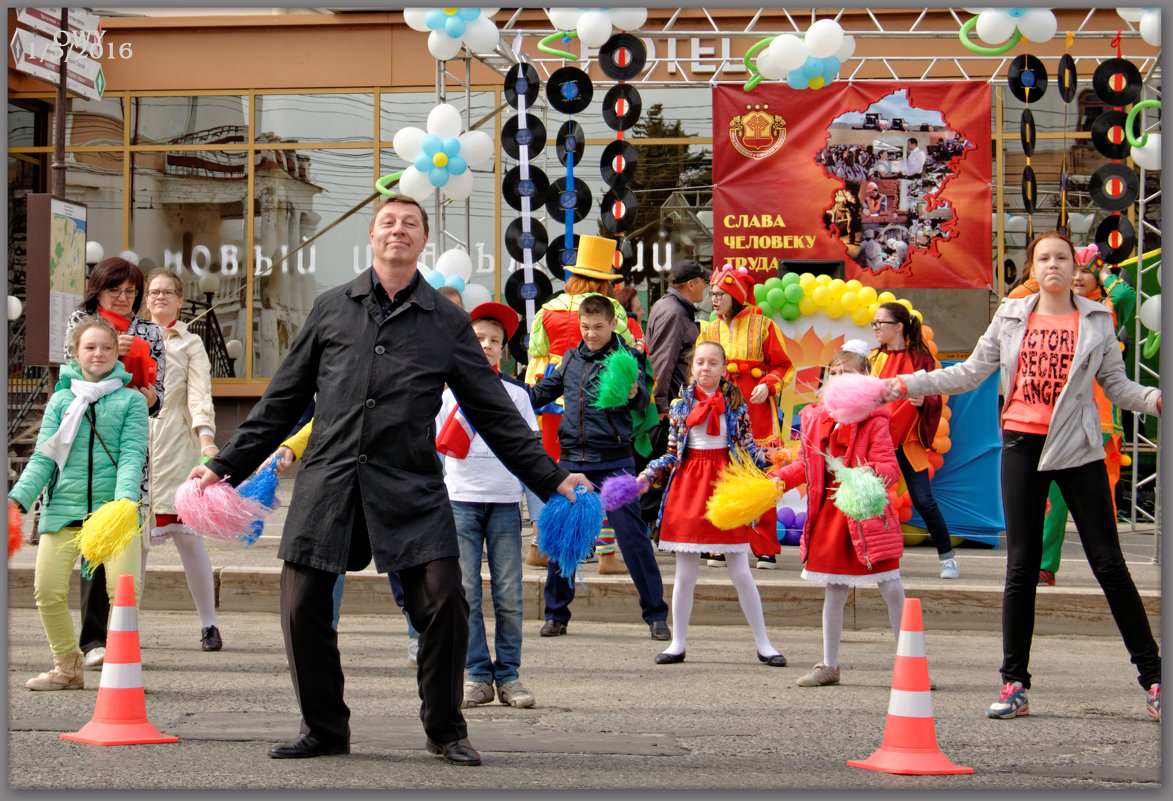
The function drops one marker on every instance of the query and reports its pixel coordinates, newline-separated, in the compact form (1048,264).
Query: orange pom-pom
(14,528)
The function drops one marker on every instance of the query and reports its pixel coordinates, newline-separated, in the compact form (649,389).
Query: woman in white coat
(181,435)
(1050,347)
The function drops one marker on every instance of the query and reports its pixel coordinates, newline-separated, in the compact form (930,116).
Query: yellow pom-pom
(741,494)
(733,367)
(1125,460)
(756,372)
(106,533)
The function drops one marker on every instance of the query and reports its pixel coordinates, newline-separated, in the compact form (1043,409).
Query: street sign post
(39,56)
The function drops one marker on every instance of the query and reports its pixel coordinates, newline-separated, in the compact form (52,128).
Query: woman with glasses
(183,432)
(914,421)
(115,292)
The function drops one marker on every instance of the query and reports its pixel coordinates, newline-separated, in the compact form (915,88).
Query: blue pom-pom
(262,488)
(567,531)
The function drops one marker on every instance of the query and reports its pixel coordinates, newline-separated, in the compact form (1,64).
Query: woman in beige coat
(181,435)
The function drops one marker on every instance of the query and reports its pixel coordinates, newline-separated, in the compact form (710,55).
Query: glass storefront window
(95,123)
(315,117)
(195,120)
(22,126)
(404,109)
(95,179)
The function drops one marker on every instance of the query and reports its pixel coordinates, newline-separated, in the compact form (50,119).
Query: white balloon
(130,256)
(476,147)
(1150,313)
(407,142)
(628,19)
(459,186)
(594,28)
(415,184)
(995,26)
(423,268)
(1150,27)
(823,38)
(474,295)
(1131,14)
(1015,223)
(1038,25)
(768,66)
(455,262)
(1149,156)
(705,218)
(974,10)
(847,49)
(481,35)
(564,19)
(414,17)
(94,252)
(445,121)
(15,308)
(442,46)
(489,13)
(790,51)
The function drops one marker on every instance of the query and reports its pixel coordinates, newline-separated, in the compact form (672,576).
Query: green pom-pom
(620,371)
(862,494)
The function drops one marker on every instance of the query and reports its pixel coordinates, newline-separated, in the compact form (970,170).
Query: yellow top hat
(595,258)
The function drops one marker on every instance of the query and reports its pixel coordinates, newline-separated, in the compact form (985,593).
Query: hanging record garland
(1027,78)
(524,188)
(1066,79)
(1114,186)
(569,91)
(622,57)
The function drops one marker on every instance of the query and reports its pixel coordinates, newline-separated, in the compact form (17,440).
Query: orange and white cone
(910,738)
(120,715)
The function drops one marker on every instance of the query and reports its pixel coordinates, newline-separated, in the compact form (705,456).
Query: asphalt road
(606,716)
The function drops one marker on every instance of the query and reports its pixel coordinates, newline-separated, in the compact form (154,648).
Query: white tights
(684,587)
(197,568)
(892,591)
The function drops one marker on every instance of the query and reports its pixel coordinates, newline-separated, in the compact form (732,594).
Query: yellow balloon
(837,285)
(873,308)
(823,280)
(816,82)
(806,280)
(867,295)
(807,306)
(821,295)
(886,297)
(917,315)
(850,300)
(834,309)
(906,303)
(861,316)
(854,285)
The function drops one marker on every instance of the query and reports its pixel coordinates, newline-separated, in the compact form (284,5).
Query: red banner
(892,178)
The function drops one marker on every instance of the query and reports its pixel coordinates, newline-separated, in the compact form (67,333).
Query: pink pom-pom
(850,397)
(218,510)
(618,491)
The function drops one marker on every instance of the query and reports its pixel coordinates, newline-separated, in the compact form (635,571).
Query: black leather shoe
(305,747)
(210,639)
(669,659)
(659,629)
(553,628)
(457,752)
(777,660)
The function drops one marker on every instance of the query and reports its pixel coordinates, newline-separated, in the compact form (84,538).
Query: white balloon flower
(440,157)
(453,28)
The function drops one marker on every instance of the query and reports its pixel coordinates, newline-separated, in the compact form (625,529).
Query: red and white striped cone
(910,738)
(120,715)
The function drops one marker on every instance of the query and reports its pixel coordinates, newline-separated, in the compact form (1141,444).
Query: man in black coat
(378,352)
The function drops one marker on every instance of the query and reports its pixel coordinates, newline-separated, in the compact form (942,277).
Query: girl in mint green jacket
(90,450)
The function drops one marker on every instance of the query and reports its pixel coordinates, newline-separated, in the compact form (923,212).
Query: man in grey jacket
(378,352)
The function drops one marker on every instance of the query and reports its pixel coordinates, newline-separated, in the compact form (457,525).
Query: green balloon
(767,309)
(789,278)
(773,282)
(789,311)
(793,291)
(759,292)
(776,296)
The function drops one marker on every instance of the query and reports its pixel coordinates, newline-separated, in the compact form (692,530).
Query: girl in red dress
(836,550)
(708,421)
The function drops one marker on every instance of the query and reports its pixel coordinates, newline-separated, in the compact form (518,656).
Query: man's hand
(204,474)
(571,481)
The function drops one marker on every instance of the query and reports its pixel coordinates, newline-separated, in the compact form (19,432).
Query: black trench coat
(372,451)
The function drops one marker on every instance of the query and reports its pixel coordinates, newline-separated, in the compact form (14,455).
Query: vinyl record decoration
(1114,187)
(622,57)
(524,188)
(568,90)
(1066,79)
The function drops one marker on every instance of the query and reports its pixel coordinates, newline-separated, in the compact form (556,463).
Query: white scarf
(57,446)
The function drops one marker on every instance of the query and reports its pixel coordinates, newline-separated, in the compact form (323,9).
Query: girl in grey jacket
(1049,348)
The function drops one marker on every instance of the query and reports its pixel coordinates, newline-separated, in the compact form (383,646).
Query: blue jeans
(396,590)
(496,529)
(924,503)
(632,538)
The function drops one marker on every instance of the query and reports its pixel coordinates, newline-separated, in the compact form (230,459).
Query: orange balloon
(926,333)
(935,461)
(942,444)
(946,410)
(943,427)
(905,514)
(932,347)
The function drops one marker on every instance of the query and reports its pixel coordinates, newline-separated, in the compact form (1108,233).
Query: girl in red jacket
(836,550)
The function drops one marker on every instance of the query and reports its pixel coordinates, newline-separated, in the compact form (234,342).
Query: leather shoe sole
(305,747)
(777,660)
(457,752)
(669,659)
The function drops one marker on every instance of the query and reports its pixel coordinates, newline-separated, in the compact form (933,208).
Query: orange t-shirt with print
(1044,360)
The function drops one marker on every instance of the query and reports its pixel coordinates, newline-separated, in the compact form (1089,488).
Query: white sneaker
(514,694)
(475,693)
(949,569)
(94,658)
(413,650)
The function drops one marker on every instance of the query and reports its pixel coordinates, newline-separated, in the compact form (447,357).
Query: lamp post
(209,284)
(235,351)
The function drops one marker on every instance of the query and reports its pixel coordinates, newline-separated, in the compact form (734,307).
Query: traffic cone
(910,739)
(120,715)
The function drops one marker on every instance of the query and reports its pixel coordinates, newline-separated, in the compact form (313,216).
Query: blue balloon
(423,162)
(438,176)
(454,26)
(800,519)
(431,144)
(830,68)
(468,14)
(457,282)
(457,165)
(795,79)
(812,67)
(435,19)
(1016,13)
(451,146)
(435,279)
(786,517)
